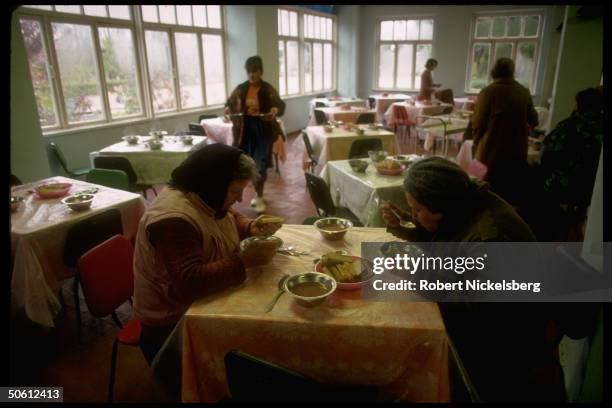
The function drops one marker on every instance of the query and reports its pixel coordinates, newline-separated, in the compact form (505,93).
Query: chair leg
(111,380)
(116,320)
(77,308)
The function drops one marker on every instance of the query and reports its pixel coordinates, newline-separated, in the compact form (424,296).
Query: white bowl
(79,202)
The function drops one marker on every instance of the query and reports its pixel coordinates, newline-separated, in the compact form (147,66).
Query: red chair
(402,122)
(107,280)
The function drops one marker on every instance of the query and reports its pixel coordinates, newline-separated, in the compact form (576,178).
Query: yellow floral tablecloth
(399,346)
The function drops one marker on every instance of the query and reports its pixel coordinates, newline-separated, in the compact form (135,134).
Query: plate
(366,275)
(53,190)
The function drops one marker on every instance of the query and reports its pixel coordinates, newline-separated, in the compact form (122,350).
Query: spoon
(281,282)
(402,222)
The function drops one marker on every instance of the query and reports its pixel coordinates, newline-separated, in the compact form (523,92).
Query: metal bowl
(269,240)
(311,281)
(333,229)
(79,202)
(15,203)
(359,131)
(377,155)
(188,140)
(358,166)
(131,139)
(328,128)
(155,145)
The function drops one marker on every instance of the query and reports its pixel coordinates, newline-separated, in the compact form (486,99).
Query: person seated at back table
(187,243)
(508,359)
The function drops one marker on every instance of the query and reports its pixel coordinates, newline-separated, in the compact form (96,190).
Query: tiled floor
(54,357)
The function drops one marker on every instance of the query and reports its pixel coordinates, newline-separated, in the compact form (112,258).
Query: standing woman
(427,83)
(256,130)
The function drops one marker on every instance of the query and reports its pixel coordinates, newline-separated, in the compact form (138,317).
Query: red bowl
(366,276)
(53,190)
(390,172)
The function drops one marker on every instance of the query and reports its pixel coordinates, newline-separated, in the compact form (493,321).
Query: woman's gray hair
(246,170)
(441,185)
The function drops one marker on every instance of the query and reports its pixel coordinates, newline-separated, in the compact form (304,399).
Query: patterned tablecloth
(153,166)
(337,144)
(382,103)
(339,114)
(362,193)
(38,233)
(399,346)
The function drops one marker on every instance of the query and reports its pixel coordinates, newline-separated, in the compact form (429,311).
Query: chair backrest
(320,104)
(88,233)
(116,163)
(320,117)
(320,96)
(360,147)
(196,127)
(59,156)
(253,379)
(400,114)
(445,95)
(319,194)
(371,102)
(106,275)
(110,178)
(307,145)
(204,117)
(365,118)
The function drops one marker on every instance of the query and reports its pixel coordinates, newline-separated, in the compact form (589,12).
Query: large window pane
(386,30)
(307,67)
(306,26)
(499,27)
(99,11)
(531,26)
(412,30)
(190,82)
(327,66)
(483,27)
(39,72)
(78,68)
(480,65)
(149,13)
(399,30)
(293,24)
(317,51)
(214,16)
(214,69)
(199,16)
(284,22)
(426,30)
(330,29)
(118,56)
(525,61)
(293,68)
(38,7)
(317,27)
(166,14)
(160,70)
(183,14)
(122,12)
(423,53)
(69,9)
(311,26)
(386,66)
(404,65)
(514,26)
(282,77)
(503,50)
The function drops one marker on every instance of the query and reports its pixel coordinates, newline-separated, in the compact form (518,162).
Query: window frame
(138,27)
(515,41)
(414,43)
(302,40)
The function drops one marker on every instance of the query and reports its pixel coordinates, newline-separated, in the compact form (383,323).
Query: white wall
(452,33)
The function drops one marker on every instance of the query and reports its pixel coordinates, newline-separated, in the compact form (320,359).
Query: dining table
(362,193)
(384,100)
(336,145)
(464,156)
(400,347)
(335,101)
(337,113)
(153,166)
(38,232)
(412,110)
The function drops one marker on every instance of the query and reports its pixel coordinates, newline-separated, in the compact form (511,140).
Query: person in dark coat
(255,105)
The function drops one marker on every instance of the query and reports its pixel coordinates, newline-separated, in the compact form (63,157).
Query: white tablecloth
(337,145)
(465,103)
(336,101)
(218,130)
(152,166)
(38,233)
(362,193)
(337,113)
(464,157)
(412,111)
(382,103)
(543,124)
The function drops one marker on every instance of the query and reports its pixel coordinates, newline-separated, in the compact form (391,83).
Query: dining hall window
(403,47)
(307,52)
(512,35)
(98,64)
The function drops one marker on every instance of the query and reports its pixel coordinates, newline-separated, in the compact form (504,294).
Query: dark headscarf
(208,172)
